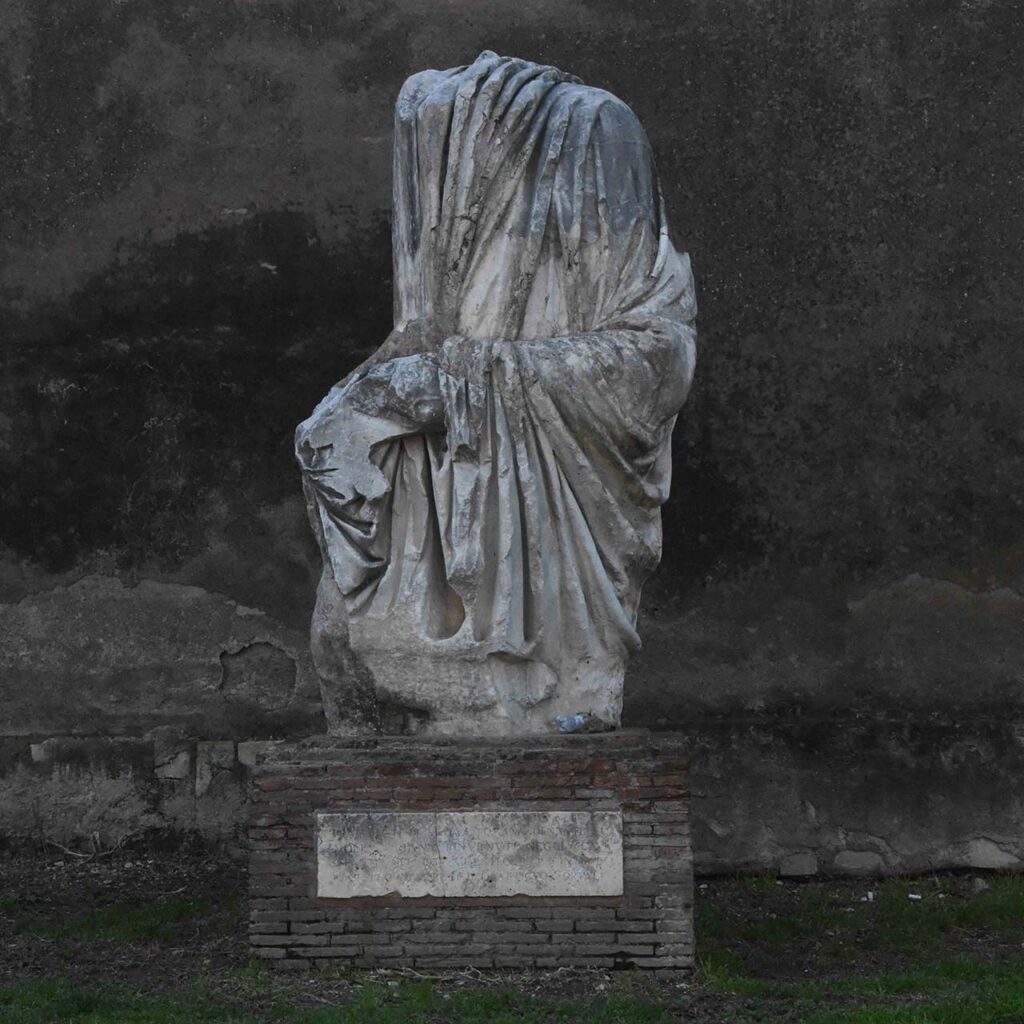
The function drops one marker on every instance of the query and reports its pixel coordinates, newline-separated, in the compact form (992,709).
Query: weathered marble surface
(469,853)
(486,488)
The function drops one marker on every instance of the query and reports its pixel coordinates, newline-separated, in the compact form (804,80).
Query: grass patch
(958,991)
(954,992)
(1000,908)
(890,960)
(43,1002)
(158,921)
(950,992)
(969,981)
(892,922)
(415,1003)
(811,918)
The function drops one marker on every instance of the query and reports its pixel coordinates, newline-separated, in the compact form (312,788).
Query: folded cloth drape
(494,500)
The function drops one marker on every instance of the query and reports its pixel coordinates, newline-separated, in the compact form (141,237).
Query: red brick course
(642,774)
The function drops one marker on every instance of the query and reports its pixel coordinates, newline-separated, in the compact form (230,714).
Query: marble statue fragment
(486,488)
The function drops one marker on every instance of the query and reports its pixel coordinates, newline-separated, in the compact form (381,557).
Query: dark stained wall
(194,245)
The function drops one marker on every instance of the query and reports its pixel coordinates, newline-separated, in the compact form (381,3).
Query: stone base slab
(601,817)
(469,853)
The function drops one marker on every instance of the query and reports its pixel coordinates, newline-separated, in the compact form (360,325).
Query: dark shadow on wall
(268,276)
(174,380)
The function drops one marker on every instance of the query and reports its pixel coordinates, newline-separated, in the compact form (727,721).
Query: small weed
(761,885)
(711,923)
(639,984)
(717,969)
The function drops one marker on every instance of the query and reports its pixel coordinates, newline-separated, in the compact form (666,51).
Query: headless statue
(486,488)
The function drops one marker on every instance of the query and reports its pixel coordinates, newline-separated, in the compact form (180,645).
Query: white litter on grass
(914,896)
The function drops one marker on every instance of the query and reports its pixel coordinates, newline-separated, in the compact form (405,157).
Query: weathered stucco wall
(194,246)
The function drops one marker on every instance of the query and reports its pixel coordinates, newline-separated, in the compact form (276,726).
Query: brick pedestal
(638,774)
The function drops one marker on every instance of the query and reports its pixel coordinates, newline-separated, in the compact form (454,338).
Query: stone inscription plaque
(469,853)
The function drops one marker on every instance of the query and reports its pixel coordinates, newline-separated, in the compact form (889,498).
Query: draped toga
(486,491)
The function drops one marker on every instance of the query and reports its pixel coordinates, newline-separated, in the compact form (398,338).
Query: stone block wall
(101,791)
(805,797)
(639,774)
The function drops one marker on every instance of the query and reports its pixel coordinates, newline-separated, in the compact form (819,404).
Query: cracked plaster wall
(194,246)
